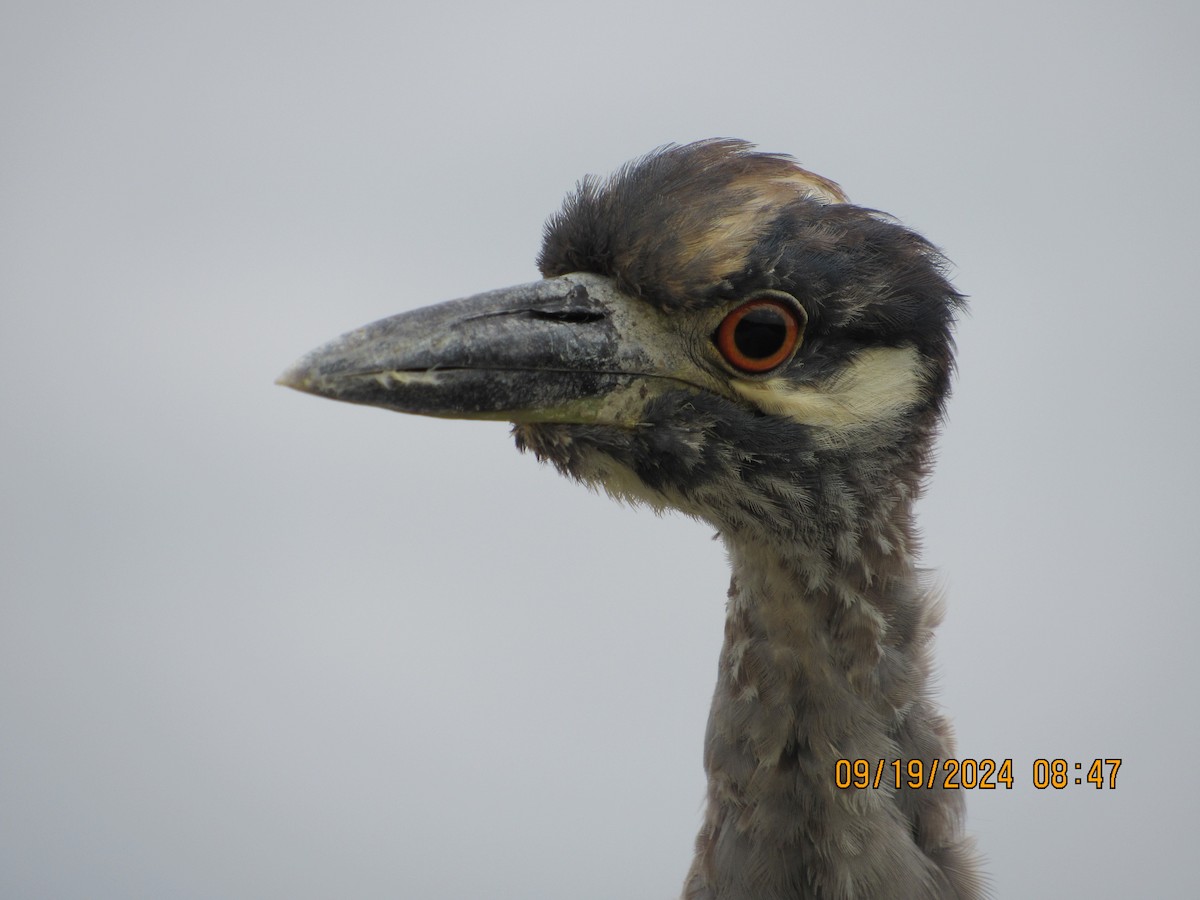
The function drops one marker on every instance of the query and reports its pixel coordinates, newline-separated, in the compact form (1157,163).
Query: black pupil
(760,332)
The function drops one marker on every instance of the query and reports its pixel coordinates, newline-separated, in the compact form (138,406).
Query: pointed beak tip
(297,377)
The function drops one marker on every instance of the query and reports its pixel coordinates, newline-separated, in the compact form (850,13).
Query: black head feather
(711,222)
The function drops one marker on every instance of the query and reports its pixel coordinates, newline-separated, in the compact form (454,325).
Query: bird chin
(559,443)
(591,454)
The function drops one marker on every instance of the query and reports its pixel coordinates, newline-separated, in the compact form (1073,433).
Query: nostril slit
(568,316)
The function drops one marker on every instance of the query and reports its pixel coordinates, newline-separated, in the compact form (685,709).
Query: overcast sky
(255,645)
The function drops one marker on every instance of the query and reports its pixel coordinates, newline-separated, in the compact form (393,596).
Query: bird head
(717,330)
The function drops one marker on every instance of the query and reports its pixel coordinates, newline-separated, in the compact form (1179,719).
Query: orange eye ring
(759,335)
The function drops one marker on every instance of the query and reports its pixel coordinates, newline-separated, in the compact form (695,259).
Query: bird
(721,332)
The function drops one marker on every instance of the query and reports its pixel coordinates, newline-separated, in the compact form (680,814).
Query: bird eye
(759,335)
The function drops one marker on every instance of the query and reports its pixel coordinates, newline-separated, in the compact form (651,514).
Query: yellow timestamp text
(971,774)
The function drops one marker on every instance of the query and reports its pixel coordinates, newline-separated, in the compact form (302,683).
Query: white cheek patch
(880,386)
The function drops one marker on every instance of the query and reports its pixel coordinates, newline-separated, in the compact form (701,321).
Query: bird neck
(822,662)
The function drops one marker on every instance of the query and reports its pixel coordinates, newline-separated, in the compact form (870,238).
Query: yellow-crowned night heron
(720,332)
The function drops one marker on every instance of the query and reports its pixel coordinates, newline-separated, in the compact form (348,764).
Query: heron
(721,332)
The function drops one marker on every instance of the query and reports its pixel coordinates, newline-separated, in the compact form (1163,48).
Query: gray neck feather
(822,663)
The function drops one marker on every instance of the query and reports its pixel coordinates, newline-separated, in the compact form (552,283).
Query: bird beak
(566,349)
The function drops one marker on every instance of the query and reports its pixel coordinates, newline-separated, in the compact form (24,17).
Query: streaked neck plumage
(822,663)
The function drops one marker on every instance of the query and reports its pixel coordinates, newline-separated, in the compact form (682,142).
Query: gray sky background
(255,645)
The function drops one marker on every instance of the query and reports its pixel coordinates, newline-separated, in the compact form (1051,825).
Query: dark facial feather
(709,223)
